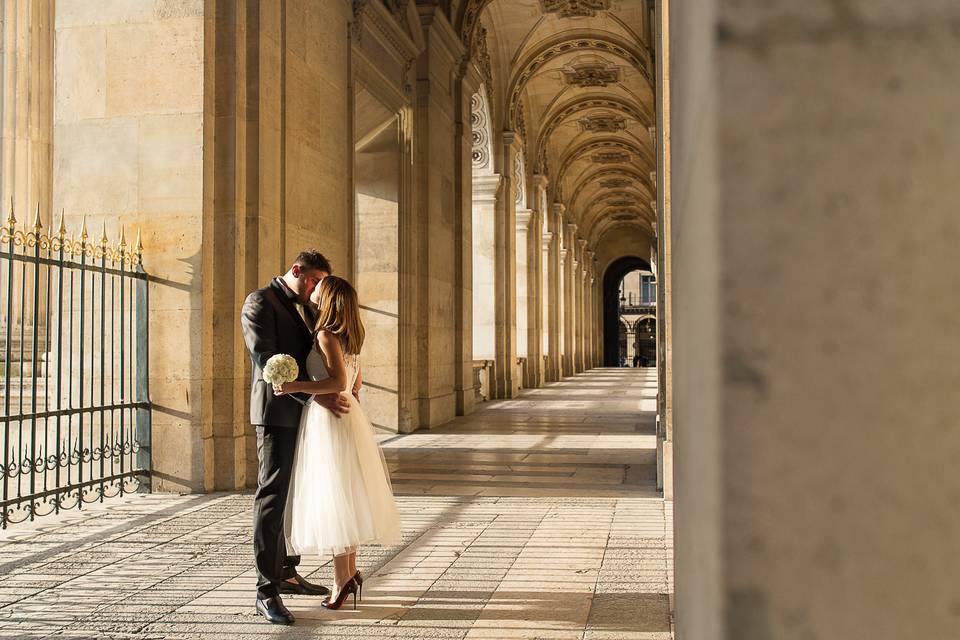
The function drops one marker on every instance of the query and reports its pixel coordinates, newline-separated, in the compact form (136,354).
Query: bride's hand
(283,389)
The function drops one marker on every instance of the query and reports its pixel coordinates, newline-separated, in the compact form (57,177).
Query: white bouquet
(279,369)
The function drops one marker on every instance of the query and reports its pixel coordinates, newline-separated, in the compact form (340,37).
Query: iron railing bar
(123,414)
(82,341)
(137,404)
(69,440)
(36,336)
(103,331)
(78,266)
(6,373)
(113,371)
(46,375)
(59,370)
(23,302)
(133,473)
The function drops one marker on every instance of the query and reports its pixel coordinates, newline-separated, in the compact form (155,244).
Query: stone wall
(128,149)
(814,401)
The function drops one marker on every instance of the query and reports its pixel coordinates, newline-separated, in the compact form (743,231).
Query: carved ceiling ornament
(575,8)
(611,157)
(596,73)
(519,181)
(603,123)
(611,45)
(614,183)
(635,180)
(481,55)
(603,144)
(577,105)
(480,130)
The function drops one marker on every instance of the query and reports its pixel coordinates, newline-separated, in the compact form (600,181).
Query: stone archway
(611,287)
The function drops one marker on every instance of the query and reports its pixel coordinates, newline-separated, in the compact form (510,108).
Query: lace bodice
(317,369)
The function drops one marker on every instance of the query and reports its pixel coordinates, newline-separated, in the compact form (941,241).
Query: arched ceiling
(575,80)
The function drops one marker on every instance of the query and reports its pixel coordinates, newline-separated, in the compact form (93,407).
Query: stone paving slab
(516,525)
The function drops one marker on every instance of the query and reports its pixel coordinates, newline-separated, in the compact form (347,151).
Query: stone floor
(533,518)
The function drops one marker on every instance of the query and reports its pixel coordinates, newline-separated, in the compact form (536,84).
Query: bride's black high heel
(345,590)
(359,580)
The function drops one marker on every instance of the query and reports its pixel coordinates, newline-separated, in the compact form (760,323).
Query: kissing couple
(323,486)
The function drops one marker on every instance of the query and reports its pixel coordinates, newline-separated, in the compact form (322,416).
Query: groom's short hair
(313,260)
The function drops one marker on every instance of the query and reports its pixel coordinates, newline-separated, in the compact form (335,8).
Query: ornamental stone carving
(610,157)
(603,123)
(592,74)
(614,183)
(480,131)
(575,8)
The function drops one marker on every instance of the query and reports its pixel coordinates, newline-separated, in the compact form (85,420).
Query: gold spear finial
(138,247)
(11,219)
(83,230)
(62,230)
(37,226)
(123,239)
(104,241)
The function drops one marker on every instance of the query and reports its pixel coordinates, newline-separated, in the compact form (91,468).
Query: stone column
(563,297)
(27,125)
(555,307)
(590,319)
(546,242)
(463,222)
(523,220)
(505,265)
(582,306)
(437,155)
(534,326)
(569,300)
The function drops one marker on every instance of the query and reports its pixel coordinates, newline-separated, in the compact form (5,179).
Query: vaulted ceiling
(575,80)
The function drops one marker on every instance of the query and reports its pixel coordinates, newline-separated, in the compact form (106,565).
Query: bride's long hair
(339,313)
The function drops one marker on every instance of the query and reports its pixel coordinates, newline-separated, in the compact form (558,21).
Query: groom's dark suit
(271,324)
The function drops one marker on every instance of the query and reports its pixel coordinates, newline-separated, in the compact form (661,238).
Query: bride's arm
(358,383)
(336,368)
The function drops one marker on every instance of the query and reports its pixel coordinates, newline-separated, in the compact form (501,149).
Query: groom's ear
(295,270)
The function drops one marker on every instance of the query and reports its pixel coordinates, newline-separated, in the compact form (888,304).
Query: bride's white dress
(340,495)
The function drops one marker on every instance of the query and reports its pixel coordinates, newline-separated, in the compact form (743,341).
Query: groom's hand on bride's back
(335,402)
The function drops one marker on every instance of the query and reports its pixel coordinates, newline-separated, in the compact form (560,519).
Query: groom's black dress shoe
(302,588)
(273,610)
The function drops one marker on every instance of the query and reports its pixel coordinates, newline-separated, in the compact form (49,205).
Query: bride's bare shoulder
(327,340)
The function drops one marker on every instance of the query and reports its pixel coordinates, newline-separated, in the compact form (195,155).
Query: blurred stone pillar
(505,281)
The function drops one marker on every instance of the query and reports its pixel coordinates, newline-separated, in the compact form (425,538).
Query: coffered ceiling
(575,80)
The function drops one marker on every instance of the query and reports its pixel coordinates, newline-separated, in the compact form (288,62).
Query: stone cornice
(374,18)
(433,20)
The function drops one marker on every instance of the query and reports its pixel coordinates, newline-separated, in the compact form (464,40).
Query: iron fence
(73,335)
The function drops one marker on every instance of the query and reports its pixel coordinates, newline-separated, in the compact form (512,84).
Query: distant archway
(611,305)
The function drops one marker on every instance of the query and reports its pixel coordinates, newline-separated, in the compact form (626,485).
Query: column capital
(523,217)
(509,137)
(582,243)
(540,181)
(563,255)
(559,208)
(572,229)
(486,186)
(545,239)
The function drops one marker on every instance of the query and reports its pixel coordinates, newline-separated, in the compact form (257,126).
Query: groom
(279,318)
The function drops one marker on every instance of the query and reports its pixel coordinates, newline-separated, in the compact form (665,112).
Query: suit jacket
(271,325)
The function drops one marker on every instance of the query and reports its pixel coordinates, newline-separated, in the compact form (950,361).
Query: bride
(340,495)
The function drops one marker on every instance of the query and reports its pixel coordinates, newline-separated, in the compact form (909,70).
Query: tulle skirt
(340,495)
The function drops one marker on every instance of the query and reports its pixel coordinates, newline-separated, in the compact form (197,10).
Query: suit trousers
(275,449)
